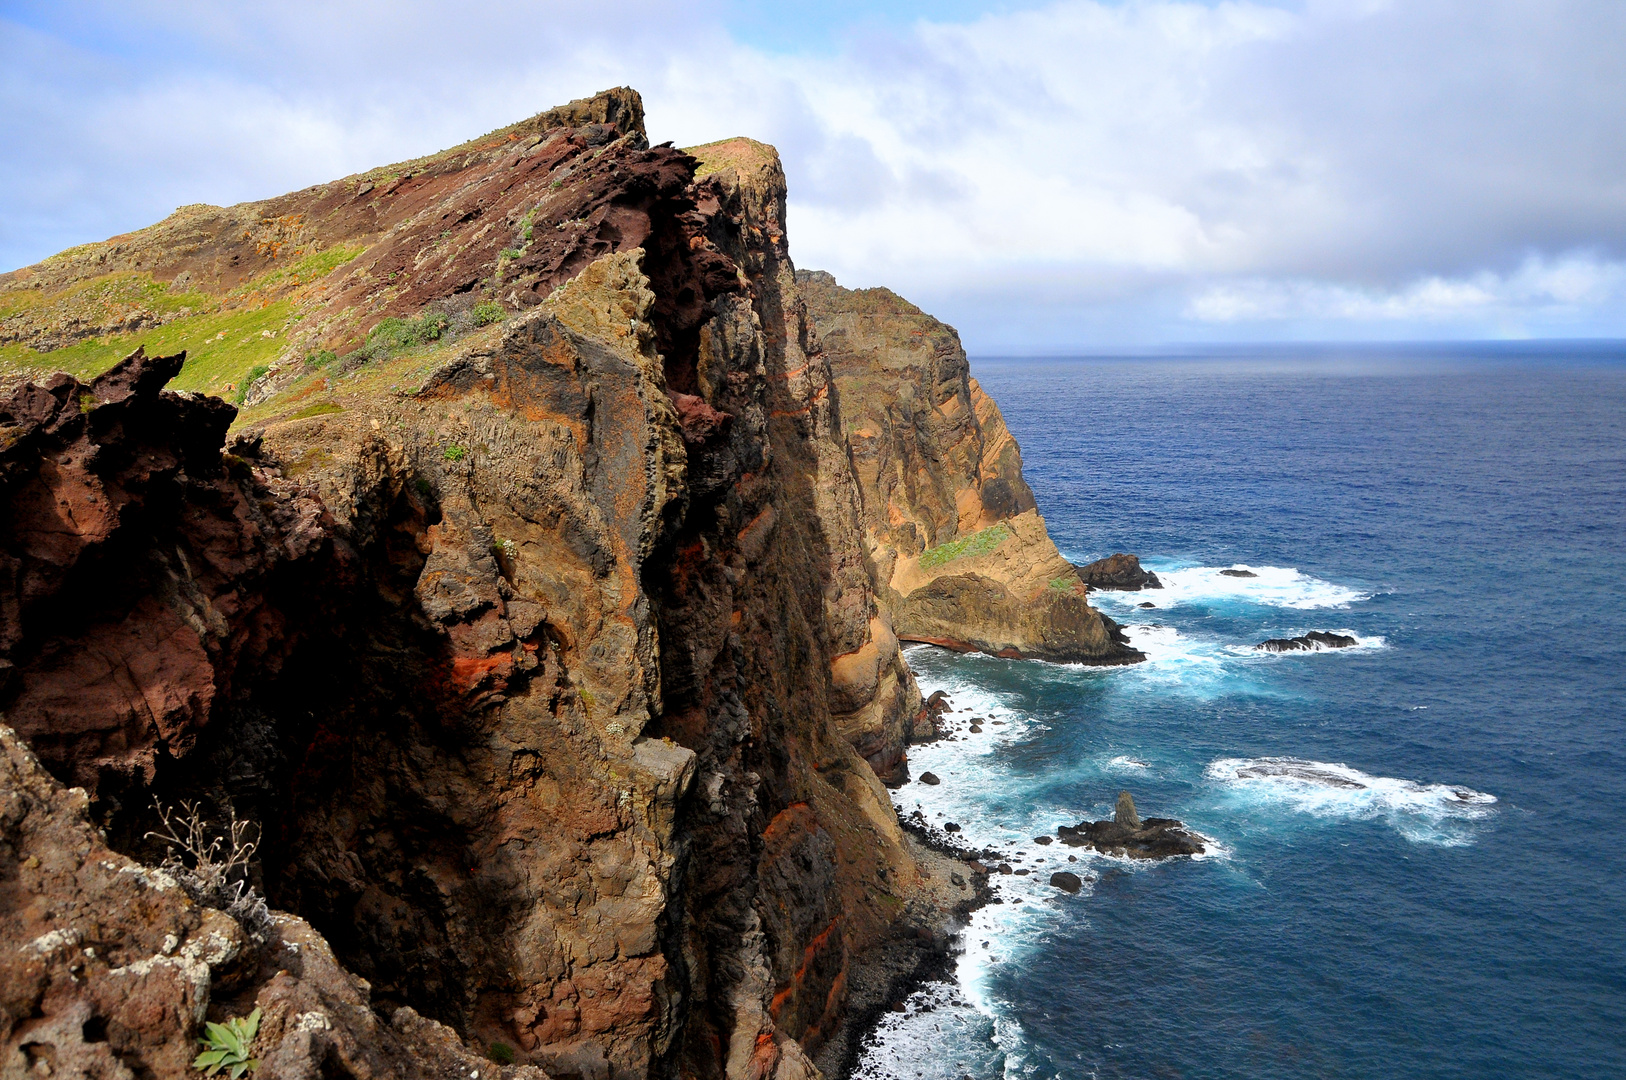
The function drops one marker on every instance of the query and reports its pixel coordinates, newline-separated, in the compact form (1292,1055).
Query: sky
(1048,177)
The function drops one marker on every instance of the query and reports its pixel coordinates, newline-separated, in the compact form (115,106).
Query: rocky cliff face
(550,655)
(961,555)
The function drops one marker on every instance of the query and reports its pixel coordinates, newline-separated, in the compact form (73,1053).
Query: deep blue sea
(1441,891)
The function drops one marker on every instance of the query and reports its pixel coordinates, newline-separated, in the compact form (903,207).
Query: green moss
(320,408)
(978,543)
(1063,584)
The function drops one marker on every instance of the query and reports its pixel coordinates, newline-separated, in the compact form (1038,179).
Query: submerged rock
(1308,642)
(1238,573)
(1122,573)
(1147,604)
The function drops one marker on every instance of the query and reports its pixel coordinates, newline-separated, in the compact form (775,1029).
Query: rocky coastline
(535,616)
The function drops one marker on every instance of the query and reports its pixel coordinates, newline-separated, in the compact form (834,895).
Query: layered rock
(961,556)
(558,660)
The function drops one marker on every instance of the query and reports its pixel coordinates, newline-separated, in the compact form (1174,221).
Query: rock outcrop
(962,558)
(1127,835)
(1314,640)
(557,657)
(1120,572)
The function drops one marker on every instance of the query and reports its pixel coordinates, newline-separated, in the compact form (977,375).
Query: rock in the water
(1119,572)
(1127,834)
(1308,642)
(1066,882)
(929,778)
(1238,573)
(1124,813)
(1043,840)
(1147,604)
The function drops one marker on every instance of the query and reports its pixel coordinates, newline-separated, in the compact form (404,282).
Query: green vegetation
(320,408)
(229,1046)
(501,1053)
(488,311)
(1062,584)
(313,267)
(321,358)
(455,453)
(978,543)
(254,373)
(221,346)
(510,253)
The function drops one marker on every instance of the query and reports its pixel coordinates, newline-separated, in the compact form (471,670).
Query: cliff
(529,607)
(961,556)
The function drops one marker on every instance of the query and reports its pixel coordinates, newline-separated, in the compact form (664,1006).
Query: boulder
(1066,882)
(929,778)
(1238,573)
(1122,573)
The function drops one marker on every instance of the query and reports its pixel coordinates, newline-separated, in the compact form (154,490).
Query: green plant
(488,311)
(501,1053)
(454,453)
(510,253)
(978,543)
(229,1046)
(321,358)
(252,376)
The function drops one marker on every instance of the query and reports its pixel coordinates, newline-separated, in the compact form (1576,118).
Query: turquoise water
(1442,893)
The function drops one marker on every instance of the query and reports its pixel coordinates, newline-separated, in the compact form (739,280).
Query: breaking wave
(1275,586)
(1425,813)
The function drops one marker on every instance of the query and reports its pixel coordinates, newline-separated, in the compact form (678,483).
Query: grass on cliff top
(742,153)
(967,547)
(221,347)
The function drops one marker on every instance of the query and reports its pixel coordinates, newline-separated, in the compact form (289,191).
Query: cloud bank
(1073,175)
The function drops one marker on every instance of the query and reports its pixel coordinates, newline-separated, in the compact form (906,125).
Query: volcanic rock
(1119,572)
(929,778)
(1066,882)
(1127,834)
(1238,573)
(1308,642)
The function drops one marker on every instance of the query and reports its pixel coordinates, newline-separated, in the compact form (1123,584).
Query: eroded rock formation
(962,558)
(559,664)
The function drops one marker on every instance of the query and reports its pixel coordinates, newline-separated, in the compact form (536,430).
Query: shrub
(510,253)
(211,866)
(254,375)
(488,311)
(321,358)
(501,1053)
(454,453)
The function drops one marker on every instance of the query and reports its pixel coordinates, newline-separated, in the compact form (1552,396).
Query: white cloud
(1074,173)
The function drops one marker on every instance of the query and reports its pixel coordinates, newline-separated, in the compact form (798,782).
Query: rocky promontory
(1119,572)
(962,558)
(537,607)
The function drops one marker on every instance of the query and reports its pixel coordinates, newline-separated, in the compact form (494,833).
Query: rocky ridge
(551,653)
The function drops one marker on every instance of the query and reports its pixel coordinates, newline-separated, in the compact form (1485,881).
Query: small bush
(454,453)
(501,1053)
(321,358)
(487,312)
(211,866)
(254,375)
(511,253)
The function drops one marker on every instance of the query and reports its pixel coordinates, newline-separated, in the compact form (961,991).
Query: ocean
(1418,858)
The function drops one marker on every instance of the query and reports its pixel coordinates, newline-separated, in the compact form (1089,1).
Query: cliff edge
(532,605)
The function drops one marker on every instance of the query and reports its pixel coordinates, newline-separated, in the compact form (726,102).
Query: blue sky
(1047,176)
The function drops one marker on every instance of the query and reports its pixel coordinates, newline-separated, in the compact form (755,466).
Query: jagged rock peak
(619,110)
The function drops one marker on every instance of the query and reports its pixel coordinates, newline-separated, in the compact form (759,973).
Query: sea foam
(1426,813)
(1273,586)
